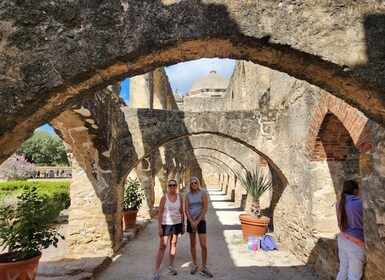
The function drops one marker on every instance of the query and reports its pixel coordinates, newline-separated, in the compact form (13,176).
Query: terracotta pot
(23,270)
(253,226)
(129,218)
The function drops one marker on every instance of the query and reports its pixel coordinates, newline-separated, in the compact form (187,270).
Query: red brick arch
(353,121)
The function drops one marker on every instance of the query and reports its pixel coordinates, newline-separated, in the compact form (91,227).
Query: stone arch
(353,120)
(218,123)
(348,157)
(213,142)
(54,83)
(337,131)
(97,185)
(221,152)
(269,202)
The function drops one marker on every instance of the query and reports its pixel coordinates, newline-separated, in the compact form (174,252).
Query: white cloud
(184,74)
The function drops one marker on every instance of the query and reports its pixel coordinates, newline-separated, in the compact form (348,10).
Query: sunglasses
(172,185)
(194,183)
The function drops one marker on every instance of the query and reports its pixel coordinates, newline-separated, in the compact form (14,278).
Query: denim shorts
(172,229)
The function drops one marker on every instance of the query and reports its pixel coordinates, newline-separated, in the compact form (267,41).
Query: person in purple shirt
(351,246)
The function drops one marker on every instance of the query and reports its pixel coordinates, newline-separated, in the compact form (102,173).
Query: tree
(44,149)
(17,168)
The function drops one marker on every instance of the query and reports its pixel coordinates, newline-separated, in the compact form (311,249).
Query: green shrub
(133,195)
(25,229)
(57,192)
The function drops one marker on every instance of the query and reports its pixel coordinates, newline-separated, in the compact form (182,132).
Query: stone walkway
(228,255)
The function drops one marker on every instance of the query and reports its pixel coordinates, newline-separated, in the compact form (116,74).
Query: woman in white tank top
(170,225)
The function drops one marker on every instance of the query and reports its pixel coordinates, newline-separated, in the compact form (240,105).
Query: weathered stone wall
(283,105)
(201,104)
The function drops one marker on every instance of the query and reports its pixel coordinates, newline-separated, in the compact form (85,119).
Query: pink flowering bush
(17,167)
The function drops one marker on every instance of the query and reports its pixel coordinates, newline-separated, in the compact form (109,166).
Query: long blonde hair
(195,179)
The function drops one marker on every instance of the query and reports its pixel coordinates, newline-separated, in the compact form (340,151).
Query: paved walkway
(228,255)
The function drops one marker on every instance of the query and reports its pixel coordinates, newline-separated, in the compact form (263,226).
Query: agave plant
(256,184)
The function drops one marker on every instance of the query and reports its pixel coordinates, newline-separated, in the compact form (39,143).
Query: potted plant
(133,198)
(256,184)
(26,229)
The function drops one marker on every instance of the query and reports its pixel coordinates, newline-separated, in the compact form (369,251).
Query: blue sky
(181,76)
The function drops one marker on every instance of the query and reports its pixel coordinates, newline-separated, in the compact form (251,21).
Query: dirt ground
(228,255)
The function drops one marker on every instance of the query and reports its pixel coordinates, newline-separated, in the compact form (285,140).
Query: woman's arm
(160,214)
(181,213)
(181,209)
(187,209)
(205,206)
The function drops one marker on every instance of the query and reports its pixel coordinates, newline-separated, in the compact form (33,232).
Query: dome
(211,81)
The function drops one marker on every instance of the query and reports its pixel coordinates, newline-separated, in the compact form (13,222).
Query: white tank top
(171,212)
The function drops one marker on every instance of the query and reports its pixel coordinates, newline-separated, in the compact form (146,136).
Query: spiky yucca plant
(256,184)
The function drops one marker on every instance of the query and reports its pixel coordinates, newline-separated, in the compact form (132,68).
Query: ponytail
(348,187)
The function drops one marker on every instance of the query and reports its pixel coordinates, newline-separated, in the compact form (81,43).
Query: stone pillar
(141,91)
(146,178)
(373,194)
(152,90)
(231,185)
(160,186)
(87,233)
(161,87)
(176,174)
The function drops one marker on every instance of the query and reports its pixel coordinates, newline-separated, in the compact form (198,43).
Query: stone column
(141,91)
(146,178)
(160,186)
(87,233)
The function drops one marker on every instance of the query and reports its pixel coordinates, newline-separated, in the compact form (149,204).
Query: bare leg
(162,247)
(193,248)
(203,243)
(172,254)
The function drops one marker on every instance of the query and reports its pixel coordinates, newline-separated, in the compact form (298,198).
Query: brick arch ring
(355,122)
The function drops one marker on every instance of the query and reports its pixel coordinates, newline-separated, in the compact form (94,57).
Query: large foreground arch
(66,51)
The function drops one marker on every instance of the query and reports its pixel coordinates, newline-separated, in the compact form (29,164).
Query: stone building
(206,94)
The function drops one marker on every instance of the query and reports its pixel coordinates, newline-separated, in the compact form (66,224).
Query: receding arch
(184,133)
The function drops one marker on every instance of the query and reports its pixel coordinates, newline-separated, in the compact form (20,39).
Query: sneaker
(155,276)
(194,269)
(206,273)
(172,270)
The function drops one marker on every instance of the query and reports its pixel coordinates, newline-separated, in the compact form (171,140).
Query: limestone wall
(303,210)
